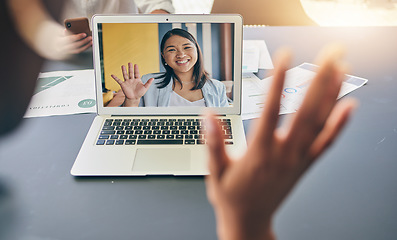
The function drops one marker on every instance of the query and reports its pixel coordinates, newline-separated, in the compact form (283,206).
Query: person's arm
(42,33)
(155,6)
(246,192)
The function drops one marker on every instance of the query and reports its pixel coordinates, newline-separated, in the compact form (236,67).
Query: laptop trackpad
(162,160)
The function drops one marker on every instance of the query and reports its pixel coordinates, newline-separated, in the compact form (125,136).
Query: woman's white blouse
(214,93)
(177,100)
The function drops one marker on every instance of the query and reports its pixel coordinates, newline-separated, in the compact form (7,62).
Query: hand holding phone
(77,36)
(78,25)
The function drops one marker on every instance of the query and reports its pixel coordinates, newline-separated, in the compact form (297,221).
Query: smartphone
(78,25)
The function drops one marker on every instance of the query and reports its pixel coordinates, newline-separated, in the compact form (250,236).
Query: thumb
(149,83)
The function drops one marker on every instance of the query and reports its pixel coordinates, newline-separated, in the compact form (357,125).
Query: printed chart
(63,93)
(296,84)
(44,83)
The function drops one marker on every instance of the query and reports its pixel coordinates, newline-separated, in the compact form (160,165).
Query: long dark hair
(200,76)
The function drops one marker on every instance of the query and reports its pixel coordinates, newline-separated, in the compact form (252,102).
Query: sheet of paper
(256,56)
(296,83)
(63,93)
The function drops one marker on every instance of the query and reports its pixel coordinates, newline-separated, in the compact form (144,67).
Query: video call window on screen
(197,56)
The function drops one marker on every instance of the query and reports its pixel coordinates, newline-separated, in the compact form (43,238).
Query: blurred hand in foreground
(246,192)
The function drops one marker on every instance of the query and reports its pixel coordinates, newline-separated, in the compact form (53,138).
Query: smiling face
(180,54)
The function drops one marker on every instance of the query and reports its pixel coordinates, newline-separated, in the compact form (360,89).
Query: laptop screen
(170,65)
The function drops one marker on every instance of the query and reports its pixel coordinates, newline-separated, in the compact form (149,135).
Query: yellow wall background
(126,42)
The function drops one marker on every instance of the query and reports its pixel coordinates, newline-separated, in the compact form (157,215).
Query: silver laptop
(186,63)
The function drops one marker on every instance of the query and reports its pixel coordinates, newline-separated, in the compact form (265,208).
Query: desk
(351,193)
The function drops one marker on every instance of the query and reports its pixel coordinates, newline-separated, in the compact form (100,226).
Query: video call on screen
(139,43)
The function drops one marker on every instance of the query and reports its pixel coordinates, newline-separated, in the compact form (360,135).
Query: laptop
(165,133)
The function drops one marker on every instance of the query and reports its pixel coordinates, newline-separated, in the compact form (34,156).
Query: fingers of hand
(269,116)
(74,37)
(130,71)
(334,125)
(125,73)
(326,84)
(78,46)
(217,154)
(318,103)
(116,79)
(149,83)
(136,70)
(82,49)
(330,53)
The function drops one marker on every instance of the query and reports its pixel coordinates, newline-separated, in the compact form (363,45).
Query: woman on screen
(184,83)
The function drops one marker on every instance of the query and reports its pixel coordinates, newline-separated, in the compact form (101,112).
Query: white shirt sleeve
(147,6)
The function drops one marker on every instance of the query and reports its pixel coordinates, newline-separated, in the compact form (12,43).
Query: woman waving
(184,83)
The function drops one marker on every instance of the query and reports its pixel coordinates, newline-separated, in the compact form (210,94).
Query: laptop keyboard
(158,131)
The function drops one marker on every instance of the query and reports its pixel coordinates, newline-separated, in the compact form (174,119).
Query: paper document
(296,84)
(63,93)
(256,56)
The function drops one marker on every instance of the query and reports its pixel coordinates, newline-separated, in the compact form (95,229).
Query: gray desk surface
(351,193)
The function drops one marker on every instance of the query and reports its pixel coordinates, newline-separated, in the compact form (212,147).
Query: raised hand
(246,192)
(132,86)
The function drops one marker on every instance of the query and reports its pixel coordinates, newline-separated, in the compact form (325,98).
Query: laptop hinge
(162,115)
(165,115)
